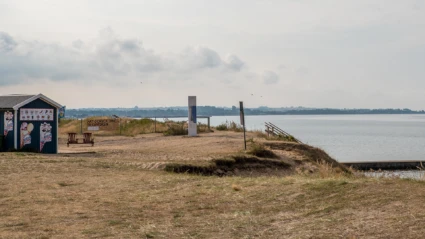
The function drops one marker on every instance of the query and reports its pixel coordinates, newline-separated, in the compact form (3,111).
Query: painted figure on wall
(26,129)
(8,122)
(45,134)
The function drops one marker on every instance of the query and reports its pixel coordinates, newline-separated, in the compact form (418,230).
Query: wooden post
(242,114)
(81,130)
(244,136)
(208,123)
(155,124)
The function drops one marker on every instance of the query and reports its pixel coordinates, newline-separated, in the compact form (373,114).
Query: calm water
(350,137)
(414,174)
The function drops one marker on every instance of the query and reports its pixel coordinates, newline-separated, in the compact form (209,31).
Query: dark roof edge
(39,96)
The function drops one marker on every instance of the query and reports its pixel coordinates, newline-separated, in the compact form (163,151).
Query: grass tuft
(287,138)
(236,187)
(230,126)
(64,184)
(259,150)
(176,128)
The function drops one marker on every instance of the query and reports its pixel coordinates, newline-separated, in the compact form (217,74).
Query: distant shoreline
(234,111)
(246,114)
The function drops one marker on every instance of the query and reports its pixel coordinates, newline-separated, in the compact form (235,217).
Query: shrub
(260,151)
(221,127)
(232,126)
(280,137)
(203,128)
(176,128)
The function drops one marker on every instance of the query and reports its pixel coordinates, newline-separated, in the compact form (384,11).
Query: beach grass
(118,189)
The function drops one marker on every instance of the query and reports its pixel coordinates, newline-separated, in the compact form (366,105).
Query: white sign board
(36,114)
(192,129)
(93,128)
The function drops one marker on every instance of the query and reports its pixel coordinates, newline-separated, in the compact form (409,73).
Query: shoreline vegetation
(138,183)
(169,112)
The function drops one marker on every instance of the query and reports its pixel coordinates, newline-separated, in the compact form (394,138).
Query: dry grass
(129,127)
(259,150)
(117,190)
(308,153)
(230,126)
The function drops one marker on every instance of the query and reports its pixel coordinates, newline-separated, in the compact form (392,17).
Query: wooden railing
(272,129)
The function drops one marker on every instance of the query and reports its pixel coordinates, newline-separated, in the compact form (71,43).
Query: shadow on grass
(228,166)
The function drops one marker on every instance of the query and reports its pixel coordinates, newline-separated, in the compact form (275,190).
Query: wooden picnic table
(87,139)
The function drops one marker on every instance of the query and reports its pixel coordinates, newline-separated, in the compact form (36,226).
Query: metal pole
(81,126)
(209,124)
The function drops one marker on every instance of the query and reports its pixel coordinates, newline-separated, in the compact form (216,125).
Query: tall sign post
(192,127)
(61,113)
(242,114)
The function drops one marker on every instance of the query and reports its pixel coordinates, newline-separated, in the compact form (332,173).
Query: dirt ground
(117,189)
(154,150)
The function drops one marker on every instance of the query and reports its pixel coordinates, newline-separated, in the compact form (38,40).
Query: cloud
(270,78)
(302,70)
(234,63)
(7,43)
(201,57)
(108,58)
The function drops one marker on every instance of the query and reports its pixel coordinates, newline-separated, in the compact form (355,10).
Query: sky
(156,53)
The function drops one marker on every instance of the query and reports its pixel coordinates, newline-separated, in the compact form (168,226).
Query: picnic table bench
(87,139)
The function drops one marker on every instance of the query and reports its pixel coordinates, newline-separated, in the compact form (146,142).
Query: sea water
(349,138)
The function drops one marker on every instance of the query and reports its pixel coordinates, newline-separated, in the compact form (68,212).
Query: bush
(287,138)
(221,127)
(260,151)
(203,128)
(231,126)
(176,128)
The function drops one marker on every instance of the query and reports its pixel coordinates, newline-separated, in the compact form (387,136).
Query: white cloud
(336,46)
(6,42)
(108,58)
(234,63)
(270,78)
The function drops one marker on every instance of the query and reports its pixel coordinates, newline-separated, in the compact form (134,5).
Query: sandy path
(154,150)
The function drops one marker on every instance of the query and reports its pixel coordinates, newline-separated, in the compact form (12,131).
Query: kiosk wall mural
(8,122)
(45,134)
(26,129)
